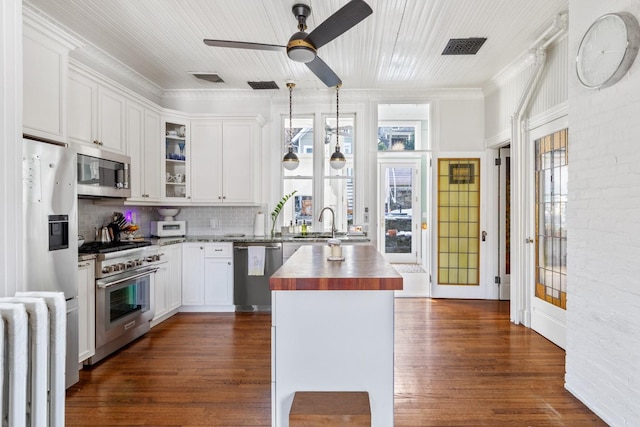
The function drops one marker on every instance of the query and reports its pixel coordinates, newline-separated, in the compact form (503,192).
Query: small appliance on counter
(168,227)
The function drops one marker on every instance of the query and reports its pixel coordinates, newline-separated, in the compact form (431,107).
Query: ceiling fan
(302,46)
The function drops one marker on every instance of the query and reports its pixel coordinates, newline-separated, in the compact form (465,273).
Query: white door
(399,210)
(548,244)
(458,227)
(504,242)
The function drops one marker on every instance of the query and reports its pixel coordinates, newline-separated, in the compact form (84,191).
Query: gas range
(119,258)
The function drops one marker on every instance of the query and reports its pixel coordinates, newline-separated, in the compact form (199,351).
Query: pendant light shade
(337,160)
(290,161)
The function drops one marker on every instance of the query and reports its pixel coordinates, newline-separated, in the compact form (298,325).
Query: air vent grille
(468,46)
(263,85)
(208,77)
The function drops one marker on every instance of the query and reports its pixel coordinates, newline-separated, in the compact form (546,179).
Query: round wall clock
(607,50)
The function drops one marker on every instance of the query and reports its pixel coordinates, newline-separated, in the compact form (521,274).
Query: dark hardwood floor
(457,363)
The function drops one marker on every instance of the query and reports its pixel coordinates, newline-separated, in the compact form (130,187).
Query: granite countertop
(363,268)
(257,239)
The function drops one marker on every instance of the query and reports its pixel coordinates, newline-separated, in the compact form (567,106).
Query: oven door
(123,302)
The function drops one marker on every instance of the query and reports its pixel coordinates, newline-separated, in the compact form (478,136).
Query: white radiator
(32,358)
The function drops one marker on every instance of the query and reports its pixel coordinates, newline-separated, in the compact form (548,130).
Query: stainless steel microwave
(102,173)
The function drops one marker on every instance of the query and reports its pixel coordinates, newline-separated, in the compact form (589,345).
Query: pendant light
(337,160)
(290,161)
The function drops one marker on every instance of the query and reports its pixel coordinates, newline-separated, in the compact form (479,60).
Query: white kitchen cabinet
(207,277)
(45,68)
(167,286)
(143,143)
(86,310)
(96,112)
(177,176)
(174,290)
(223,160)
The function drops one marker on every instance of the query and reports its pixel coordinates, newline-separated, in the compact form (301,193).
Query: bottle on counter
(303,229)
(296,229)
(291,229)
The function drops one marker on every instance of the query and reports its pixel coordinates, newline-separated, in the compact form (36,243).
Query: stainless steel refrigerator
(50,204)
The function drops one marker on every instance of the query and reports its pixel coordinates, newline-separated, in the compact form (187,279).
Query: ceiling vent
(208,77)
(263,85)
(469,46)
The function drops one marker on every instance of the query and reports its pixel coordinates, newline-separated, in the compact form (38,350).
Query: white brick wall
(603,303)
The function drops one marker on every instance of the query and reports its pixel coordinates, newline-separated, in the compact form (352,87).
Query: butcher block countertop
(363,269)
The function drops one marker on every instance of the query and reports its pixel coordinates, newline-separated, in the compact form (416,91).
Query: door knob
(529,240)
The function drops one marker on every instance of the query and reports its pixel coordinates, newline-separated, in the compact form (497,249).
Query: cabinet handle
(219,197)
(224,197)
(229,263)
(84,265)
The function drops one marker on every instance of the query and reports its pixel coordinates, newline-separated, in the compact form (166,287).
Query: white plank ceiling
(398,47)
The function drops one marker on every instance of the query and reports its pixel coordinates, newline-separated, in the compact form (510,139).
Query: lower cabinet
(86,310)
(207,277)
(167,285)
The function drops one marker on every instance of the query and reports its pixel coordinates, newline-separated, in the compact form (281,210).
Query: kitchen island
(332,328)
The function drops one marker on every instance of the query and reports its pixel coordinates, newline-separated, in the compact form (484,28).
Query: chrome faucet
(333,221)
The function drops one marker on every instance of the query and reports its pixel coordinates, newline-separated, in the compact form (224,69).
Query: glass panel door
(398,210)
(549,290)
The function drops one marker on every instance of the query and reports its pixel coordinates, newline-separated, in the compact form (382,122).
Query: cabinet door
(192,274)
(238,161)
(86,310)
(206,161)
(152,156)
(160,285)
(218,273)
(44,86)
(111,120)
(135,145)
(82,126)
(174,287)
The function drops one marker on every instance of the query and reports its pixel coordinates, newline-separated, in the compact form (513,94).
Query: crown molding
(34,18)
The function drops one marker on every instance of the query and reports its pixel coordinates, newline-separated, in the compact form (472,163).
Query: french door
(399,210)
(548,289)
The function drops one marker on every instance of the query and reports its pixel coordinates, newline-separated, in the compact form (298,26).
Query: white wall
(503,97)
(603,303)
(460,125)
(10,146)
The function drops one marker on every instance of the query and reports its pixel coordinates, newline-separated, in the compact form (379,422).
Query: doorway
(504,223)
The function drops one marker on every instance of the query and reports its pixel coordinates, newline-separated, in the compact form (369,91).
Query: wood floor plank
(457,363)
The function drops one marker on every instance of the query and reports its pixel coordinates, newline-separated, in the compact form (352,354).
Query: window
(336,188)
(398,136)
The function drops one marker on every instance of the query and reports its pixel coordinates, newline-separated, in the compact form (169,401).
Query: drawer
(218,250)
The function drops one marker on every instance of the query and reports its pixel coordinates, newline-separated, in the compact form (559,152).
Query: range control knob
(129,264)
(107,269)
(149,258)
(121,266)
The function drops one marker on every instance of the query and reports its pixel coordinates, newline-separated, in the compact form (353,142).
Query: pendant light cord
(290,86)
(338,116)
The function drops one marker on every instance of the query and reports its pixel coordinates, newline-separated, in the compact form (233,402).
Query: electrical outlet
(134,218)
(213,223)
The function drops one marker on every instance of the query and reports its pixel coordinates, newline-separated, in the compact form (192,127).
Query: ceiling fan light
(337,160)
(301,54)
(300,50)
(290,161)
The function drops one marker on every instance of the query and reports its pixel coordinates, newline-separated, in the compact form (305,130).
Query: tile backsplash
(232,219)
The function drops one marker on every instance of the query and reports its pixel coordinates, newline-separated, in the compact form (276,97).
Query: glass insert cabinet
(176,155)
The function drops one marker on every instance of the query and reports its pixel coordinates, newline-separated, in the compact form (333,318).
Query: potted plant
(276,211)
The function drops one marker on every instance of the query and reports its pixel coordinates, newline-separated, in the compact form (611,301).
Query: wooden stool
(330,408)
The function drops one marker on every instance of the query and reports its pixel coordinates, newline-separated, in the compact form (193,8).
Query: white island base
(332,341)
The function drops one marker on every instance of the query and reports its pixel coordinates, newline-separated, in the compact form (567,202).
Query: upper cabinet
(96,113)
(223,160)
(45,65)
(143,136)
(177,176)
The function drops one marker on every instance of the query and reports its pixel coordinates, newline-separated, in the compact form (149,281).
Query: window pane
(397,138)
(338,195)
(300,206)
(346,139)
(302,141)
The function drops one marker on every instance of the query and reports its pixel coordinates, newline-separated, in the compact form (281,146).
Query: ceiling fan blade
(345,18)
(323,72)
(243,45)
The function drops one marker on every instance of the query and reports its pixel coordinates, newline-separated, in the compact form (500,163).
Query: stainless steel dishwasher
(252,293)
